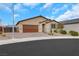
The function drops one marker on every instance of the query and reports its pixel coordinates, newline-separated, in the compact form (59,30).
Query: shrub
(63,32)
(3,35)
(55,31)
(74,33)
(50,33)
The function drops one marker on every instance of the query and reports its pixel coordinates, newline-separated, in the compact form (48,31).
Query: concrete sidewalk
(9,41)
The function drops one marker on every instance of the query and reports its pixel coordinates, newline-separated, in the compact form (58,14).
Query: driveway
(29,35)
(23,35)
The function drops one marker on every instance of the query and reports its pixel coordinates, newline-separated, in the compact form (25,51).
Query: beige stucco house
(38,24)
(71,25)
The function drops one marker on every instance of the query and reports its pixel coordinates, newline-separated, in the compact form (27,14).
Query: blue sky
(20,11)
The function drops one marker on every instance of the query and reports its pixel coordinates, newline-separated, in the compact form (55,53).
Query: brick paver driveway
(23,35)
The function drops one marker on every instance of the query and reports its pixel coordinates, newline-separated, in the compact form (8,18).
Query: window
(53,26)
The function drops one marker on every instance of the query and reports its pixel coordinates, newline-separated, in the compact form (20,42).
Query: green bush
(55,31)
(50,33)
(74,33)
(63,32)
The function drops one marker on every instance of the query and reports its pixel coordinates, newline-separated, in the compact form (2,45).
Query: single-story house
(71,24)
(38,24)
(0,28)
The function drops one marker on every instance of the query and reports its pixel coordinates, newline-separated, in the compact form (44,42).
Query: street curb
(10,41)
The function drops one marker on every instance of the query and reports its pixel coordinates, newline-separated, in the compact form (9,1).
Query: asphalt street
(53,47)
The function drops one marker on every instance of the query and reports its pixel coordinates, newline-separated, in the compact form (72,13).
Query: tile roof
(37,17)
(31,18)
(73,21)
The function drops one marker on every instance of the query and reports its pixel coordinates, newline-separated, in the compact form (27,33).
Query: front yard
(54,33)
(23,35)
(57,32)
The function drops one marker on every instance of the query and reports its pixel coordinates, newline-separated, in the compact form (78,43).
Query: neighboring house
(0,28)
(38,24)
(71,24)
(8,29)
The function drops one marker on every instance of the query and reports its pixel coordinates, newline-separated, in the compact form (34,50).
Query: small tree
(55,31)
(74,33)
(63,32)
(60,26)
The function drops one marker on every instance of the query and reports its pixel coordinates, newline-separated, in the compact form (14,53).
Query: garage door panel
(30,28)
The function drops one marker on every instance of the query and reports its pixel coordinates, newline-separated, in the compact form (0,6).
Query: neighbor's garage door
(30,28)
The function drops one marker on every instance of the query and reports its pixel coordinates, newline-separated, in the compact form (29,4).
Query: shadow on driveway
(54,47)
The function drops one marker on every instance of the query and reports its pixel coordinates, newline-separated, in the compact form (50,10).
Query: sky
(53,11)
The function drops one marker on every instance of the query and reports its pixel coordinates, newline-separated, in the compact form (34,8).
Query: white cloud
(56,10)
(17,6)
(64,16)
(7,7)
(50,17)
(30,4)
(70,14)
(47,5)
(16,15)
(20,6)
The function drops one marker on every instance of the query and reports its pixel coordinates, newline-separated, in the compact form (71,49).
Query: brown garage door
(30,28)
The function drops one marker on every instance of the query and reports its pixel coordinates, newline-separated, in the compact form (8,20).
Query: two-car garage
(30,28)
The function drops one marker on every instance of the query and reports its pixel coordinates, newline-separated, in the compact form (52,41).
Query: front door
(43,27)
